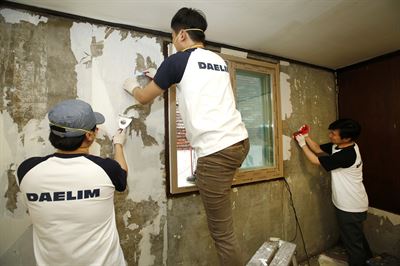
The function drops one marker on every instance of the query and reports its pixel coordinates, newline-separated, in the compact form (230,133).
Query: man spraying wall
(342,158)
(213,124)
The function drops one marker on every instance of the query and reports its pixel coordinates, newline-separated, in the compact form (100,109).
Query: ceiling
(327,33)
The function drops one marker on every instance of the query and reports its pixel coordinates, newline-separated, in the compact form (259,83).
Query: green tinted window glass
(254,101)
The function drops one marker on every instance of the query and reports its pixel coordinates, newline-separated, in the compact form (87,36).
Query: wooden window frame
(243,176)
(262,173)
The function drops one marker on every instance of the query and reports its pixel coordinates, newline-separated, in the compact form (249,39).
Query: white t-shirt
(348,191)
(206,100)
(70,200)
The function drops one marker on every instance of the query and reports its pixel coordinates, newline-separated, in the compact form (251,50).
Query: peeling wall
(308,96)
(46,59)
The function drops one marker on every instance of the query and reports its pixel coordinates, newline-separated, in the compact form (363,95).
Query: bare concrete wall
(262,210)
(46,59)
(382,230)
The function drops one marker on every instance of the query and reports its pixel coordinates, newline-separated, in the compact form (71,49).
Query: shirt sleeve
(171,70)
(27,165)
(327,148)
(114,171)
(341,159)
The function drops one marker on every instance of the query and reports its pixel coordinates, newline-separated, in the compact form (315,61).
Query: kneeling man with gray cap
(70,194)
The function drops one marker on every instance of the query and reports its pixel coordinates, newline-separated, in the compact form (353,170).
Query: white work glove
(300,140)
(150,72)
(119,137)
(130,84)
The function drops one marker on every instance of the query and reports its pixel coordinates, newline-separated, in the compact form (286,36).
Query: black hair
(189,18)
(348,128)
(66,143)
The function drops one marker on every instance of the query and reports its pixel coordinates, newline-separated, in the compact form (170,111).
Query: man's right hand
(119,137)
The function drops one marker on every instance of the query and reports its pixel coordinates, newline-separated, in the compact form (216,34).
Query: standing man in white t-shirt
(213,125)
(342,158)
(70,194)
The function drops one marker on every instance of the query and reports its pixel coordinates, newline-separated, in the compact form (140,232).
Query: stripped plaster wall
(46,59)
(310,95)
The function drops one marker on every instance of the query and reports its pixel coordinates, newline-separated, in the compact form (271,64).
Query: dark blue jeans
(352,236)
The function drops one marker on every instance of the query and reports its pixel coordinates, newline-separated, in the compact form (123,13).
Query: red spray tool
(303,130)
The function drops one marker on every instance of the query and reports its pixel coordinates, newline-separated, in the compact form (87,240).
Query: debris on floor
(336,256)
(384,260)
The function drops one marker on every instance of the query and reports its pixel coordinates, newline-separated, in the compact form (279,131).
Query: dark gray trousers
(352,236)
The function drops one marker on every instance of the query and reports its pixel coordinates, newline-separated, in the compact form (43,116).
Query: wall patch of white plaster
(14,224)
(35,130)
(15,16)
(169,203)
(146,258)
(133,226)
(233,52)
(99,82)
(284,63)
(286,147)
(106,73)
(285,96)
(125,217)
(165,246)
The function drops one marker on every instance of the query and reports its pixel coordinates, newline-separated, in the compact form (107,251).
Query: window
(256,89)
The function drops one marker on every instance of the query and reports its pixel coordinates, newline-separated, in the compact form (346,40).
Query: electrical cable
(297,221)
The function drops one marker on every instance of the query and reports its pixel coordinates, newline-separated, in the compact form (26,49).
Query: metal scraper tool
(124,121)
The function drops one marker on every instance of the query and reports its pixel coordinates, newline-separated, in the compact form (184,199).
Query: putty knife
(124,121)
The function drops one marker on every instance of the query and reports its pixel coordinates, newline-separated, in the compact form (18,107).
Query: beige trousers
(214,175)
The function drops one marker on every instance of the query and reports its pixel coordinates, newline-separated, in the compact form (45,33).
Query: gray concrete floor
(337,257)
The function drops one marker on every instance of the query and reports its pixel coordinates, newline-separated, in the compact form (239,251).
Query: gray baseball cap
(73,118)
